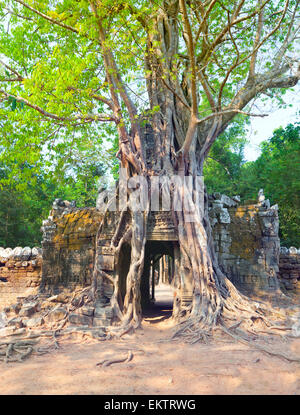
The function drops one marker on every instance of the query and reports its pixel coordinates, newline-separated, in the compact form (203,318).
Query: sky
(262,128)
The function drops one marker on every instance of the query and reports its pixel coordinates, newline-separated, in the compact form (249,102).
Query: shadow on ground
(161,309)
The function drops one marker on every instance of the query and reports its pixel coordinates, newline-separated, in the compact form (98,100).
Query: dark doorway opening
(123,268)
(158,281)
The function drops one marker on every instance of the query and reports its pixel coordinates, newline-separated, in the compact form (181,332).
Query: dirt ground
(158,367)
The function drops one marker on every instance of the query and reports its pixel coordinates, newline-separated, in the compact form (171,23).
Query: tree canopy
(60,60)
(73,73)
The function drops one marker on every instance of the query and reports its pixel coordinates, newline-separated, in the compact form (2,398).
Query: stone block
(34,322)
(103,312)
(80,319)
(101,322)
(228,201)
(26,253)
(27,311)
(224,216)
(87,311)
(57,314)
(16,322)
(17,253)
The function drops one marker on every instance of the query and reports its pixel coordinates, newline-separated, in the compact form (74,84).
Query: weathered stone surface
(59,298)
(293,250)
(80,319)
(34,322)
(56,314)
(16,322)
(103,312)
(101,322)
(96,332)
(27,310)
(228,201)
(87,311)
(17,253)
(224,216)
(16,308)
(5,255)
(26,253)
(68,252)
(19,274)
(236,198)
(289,269)
(247,246)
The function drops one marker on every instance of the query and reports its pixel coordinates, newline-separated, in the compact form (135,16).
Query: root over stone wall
(246,241)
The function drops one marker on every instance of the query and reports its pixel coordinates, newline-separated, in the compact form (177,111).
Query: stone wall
(289,269)
(68,246)
(20,273)
(246,242)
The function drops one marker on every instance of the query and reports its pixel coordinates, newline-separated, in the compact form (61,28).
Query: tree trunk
(206,298)
(179,148)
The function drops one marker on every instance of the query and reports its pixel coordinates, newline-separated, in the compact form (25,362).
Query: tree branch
(290,37)
(14,71)
(230,111)
(190,44)
(116,84)
(256,41)
(50,19)
(88,118)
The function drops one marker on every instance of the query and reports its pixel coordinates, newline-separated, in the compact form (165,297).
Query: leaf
(13,104)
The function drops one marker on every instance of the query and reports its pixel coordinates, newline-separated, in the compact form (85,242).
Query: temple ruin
(246,242)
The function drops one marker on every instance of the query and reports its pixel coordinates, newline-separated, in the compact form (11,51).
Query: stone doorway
(123,268)
(158,280)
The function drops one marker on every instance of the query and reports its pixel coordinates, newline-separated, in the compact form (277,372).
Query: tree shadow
(158,311)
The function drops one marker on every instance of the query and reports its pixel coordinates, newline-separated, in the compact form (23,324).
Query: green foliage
(222,170)
(277,171)
(54,90)
(22,211)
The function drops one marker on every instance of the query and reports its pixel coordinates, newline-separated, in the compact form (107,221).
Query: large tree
(188,67)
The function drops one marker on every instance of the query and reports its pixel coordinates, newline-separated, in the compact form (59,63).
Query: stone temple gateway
(246,242)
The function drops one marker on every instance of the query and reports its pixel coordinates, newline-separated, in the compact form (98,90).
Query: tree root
(9,355)
(193,330)
(258,347)
(126,359)
(17,350)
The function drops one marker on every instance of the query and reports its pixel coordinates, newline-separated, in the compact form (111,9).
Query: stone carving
(261,196)
(262,199)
